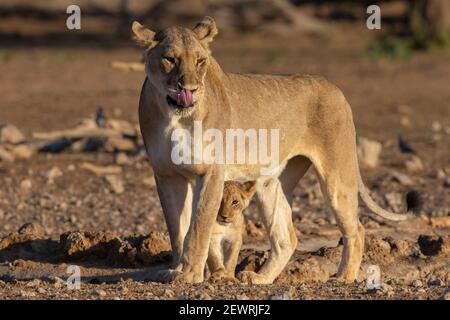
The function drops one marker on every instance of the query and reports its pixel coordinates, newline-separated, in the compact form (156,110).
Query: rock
(100,293)
(436,282)
(34,283)
(436,126)
(150,182)
(22,151)
(5,155)
(447,182)
(440,174)
(405,122)
(25,187)
(368,151)
(53,173)
(414,164)
(41,290)
(115,183)
(10,134)
(431,245)
(32,229)
(99,170)
(394,200)
(242,296)
(402,178)
(445,295)
(417,283)
(169,293)
(119,144)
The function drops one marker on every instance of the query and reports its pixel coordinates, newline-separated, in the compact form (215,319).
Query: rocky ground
(93,203)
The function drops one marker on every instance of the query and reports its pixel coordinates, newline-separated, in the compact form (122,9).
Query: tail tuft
(414,201)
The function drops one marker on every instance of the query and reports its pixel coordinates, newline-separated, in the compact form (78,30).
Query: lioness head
(236,197)
(176,62)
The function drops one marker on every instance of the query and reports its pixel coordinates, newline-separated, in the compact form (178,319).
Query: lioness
(226,238)
(183,84)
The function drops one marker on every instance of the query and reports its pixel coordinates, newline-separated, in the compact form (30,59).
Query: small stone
(368,151)
(447,182)
(436,126)
(394,200)
(436,282)
(119,144)
(53,173)
(34,283)
(22,151)
(417,284)
(5,155)
(445,295)
(10,134)
(402,178)
(149,182)
(414,164)
(100,292)
(405,122)
(41,290)
(169,293)
(242,297)
(25,186)
(116,183)
(440,174)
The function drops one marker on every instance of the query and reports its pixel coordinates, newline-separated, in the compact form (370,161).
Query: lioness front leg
(196,244)
(176,196)
(277,217)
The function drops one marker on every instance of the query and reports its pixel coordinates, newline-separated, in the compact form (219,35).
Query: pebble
(414,164)
(116,183)
(53,173)
(417,284)
(100,292)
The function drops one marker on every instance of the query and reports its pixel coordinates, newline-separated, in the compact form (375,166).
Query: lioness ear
(206,30)
(143,36)
(249,189)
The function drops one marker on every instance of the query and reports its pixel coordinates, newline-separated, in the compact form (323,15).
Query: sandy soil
(119,240)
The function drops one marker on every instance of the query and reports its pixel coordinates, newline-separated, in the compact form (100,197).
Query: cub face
(236,197)
(176,62)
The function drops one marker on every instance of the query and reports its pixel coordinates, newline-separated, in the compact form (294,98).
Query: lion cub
(226,239)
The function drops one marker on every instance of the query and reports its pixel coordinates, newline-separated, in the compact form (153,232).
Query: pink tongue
(185,98)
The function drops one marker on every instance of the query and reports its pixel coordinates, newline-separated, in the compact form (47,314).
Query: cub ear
(249,189)
(143,36)
(206,30)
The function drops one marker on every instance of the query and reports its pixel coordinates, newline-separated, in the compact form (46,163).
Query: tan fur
(316,127)
(226,239)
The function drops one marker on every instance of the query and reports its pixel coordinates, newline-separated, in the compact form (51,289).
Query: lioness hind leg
(276,214)
(341,194)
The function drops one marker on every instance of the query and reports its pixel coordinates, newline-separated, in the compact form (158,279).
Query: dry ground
(53,88)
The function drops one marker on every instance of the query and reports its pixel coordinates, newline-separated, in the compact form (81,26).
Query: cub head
(176,61)
(236,197)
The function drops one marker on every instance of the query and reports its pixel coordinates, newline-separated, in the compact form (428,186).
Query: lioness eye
(235,202)
(201,61)
(170,59)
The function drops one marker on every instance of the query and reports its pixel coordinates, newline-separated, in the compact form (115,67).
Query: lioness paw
(251,277)
(188,277)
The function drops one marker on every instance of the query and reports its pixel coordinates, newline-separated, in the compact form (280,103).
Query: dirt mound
(30,243)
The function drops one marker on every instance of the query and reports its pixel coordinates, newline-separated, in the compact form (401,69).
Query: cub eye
(201,61)
(169,59)
(234,202)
